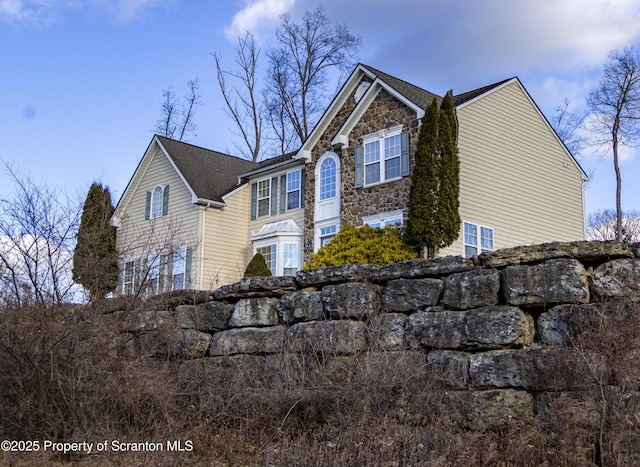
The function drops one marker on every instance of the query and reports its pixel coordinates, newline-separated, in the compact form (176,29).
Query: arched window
(328,179)
(156,202)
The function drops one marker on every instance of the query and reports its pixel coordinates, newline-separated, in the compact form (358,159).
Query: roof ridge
(201,147)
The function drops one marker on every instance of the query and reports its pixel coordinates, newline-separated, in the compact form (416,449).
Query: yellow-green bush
(365,245)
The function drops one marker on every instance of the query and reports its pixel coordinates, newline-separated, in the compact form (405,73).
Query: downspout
(204,219)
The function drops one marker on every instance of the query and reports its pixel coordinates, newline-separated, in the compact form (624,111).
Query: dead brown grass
(71,375)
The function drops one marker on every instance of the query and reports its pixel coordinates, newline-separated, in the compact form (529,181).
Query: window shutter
(274,198)
(404,154)
(187,269)
(358,153)
(302,181)
(121,278)
(283,193)
(147,211)
(162,273)
(136,277)
(165,201)
(254,200)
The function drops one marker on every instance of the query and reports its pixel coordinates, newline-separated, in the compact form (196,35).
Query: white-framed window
(153,273)
(291,262)
(270,254)
(477,239)
(179,268)
(128,277)
(294,189)
(382,155)
(328,179)
(264,197)
(393,218)
(327,234)
(157,202)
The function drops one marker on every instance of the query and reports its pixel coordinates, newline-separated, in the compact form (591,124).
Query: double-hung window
(128,277)
(264,197)
(179,269)
(383,156)
(291,259)
(269,253)
(293,190)
(153,273)
(327,234)
(477,239)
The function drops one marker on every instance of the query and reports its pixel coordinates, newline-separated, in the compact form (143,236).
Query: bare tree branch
(568,125)
(176,118)
(615,104)
(241,103)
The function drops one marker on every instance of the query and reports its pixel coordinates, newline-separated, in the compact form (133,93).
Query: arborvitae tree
(434,220)
(95,263)
(422,227)
(257,267)
(449,189)
(364,245)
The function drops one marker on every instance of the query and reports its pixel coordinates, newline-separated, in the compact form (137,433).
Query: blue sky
(81,81)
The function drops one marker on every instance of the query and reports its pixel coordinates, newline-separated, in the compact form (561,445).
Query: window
(328,179)
(327,234)
(269,254)
(382,159)
(264,192)
(153,273)
(128,278)
(477,239)
(179,269)
(393,218)
(157,202)
(291,259)
(293,190)
(383,156)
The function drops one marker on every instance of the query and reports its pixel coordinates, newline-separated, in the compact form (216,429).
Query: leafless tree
(615,106)
(38,226)
(567,125)
(177,116)
(299,67)
(602,225)
(242,102)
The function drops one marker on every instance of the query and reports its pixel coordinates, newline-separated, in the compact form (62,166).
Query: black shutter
(283,194)
(254,201)
(165,201)
(404,154)
(274,196)
(147,211)
(358,154)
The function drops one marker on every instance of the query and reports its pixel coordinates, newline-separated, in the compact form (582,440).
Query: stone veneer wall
(384,112)
(499,323)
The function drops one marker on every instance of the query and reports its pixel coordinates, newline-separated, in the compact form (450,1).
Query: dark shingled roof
(210,174)
(417,95)
(467,96)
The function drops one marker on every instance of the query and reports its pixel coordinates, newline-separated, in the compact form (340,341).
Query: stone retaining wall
(504,325)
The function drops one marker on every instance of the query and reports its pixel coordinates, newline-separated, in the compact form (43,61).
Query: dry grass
(69,375)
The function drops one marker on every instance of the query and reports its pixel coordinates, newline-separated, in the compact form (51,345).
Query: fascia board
(327,117)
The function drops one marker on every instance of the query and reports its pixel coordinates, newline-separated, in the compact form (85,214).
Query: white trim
(478,245)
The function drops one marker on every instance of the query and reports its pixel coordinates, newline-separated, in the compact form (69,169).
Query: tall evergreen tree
(434,220)
(449,174)
(95,263)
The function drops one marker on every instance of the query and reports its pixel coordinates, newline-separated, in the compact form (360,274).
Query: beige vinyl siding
(515,176)
(226,244)
(137,236)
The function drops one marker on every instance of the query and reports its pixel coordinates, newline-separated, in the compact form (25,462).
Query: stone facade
(355,203)
(515,348)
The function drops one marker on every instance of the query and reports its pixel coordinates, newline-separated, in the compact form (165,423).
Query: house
(518,182)
(191,217)
(182,220)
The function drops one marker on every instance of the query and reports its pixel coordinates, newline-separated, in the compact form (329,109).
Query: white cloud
(257,17)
